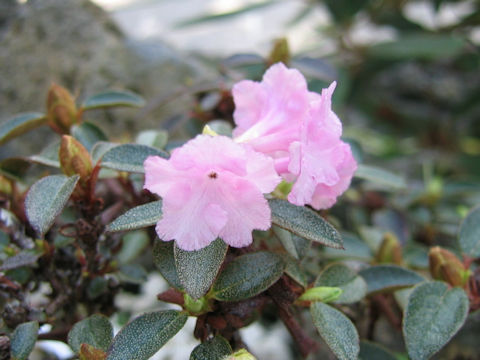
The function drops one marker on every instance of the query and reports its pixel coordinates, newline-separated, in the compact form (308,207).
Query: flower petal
(247,210)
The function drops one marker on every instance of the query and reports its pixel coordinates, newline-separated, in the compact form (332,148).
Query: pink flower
(299,130)
(211,187)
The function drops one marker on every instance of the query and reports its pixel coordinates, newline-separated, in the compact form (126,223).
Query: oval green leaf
(23,258)
(295,245)
(304,223)
(154,138)
(433,315)
(247,276)
(338,275)
(95,330)
(113,98)
(133,243)
(48,156)
(469,236)
(164,260)
(23,340)
(19,125)
(46,199)
(198,269)
(145,335)
(88,134)
(386,278)
(337,330)
(214,349)
(380,176)
(138,217)
(130,157)
(372,351)
(419,46)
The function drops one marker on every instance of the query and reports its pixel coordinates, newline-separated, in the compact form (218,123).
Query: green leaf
(19,260)
(383,278)
(95,330)
(145,335)
(248,275)
(305,223)
(295,245)
(337,330)
(380,176)
(164,260)
(99,149)
(88,134)
(315,68)
(14,168)
(214,349)
(113,98)
(223,16)
(154,138)
(46,199)
(130,157)
(419,46)
(434,314)
(48,156)
(198,269)
(138,217)
(23,340)
(294,270)
(354,249)
(469,236)
(132,273)
(19,125)
(372,351)
(338,275)
(133,244)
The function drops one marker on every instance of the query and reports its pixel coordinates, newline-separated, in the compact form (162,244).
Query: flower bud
(444,265)
(88,352)
(61,109)
(74,158)
(280,52)
(390,250)
(321,293)
(196,307)
(241,354)
(5,185)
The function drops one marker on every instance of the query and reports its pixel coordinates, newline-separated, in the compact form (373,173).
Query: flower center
(212,175)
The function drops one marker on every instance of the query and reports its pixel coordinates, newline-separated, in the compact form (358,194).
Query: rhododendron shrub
(239,223)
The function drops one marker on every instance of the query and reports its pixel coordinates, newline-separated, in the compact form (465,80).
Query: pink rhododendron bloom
(211,187)
(299,130)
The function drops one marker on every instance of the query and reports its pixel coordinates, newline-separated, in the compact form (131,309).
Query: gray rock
(75,44)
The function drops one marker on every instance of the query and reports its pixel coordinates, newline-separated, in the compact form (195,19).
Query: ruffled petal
(160,175)
(247,210)
(190,217)
(250,100)
(261,171)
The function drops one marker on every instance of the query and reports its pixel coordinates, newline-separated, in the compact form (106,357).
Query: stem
(282,298)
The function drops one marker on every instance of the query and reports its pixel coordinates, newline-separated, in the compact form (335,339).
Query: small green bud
(207,130)
(195,307)
(74,158)
(323,294)
(390,250)
(444,265)
(283,189)
(61,109)
(280,52)
(241,354)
